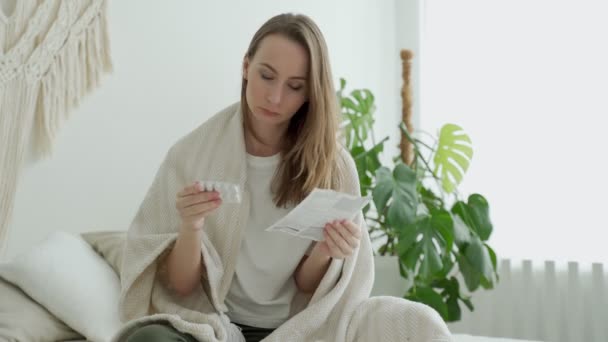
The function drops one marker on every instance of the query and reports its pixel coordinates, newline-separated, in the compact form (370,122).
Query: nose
(274,94)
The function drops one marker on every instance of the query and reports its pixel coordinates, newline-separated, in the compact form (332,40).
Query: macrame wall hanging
(52,53)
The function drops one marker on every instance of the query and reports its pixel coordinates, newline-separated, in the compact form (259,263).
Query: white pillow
(65,275)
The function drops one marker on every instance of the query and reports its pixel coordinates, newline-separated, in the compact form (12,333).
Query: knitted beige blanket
(52,54)
(339,310)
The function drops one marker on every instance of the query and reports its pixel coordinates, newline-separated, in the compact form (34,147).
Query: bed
(42,291)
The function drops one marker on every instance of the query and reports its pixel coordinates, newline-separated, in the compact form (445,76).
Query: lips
(268,112)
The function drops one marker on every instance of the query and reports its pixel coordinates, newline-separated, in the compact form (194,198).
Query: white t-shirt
(263,285)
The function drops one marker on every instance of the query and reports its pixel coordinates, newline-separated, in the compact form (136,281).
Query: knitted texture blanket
(52,54)
(339,310)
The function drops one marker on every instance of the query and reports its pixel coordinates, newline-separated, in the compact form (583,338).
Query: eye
(296,87)
(265,76)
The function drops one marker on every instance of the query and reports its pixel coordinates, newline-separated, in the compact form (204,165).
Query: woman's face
(276,80)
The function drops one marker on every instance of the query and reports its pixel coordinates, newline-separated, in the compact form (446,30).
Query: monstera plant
(417,213)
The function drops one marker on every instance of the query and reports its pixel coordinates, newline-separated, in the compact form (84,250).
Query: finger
(202,212)
(189,190)
(333,248)
(199,215)
(339,240)
(353,228)
(191,200)
(347,233)
(198,208)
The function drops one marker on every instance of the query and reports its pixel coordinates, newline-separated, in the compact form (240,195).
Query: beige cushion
(23,319)
(108,244)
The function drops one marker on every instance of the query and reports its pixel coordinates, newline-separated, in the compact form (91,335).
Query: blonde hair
(309,152)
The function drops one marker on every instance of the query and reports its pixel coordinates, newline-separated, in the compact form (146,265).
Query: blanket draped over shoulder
(339,310)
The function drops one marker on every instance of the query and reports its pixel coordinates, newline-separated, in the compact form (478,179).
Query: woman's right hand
(194,204)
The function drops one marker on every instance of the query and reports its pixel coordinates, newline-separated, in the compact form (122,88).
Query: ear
(245,67)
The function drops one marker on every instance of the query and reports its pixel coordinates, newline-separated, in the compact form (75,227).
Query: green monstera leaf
(453,156)
(357,111)
(475,214)
(450,290)
(433,299)
(400,186)
(367,162)
(476,265)
(427,242)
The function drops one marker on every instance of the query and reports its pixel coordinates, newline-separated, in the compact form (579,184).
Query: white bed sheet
(457,338)
(471,338)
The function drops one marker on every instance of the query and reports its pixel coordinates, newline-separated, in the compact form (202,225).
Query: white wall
(408,20)
(174,67)
(532,97)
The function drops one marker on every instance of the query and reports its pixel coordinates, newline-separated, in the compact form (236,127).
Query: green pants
(166,333)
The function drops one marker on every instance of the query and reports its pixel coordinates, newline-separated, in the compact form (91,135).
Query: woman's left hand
(341,239)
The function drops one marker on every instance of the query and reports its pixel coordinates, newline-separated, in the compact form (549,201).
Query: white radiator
(547,301)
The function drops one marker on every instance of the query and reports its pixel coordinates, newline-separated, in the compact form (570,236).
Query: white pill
(229,192)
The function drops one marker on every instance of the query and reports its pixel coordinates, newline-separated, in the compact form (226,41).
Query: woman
(198,269)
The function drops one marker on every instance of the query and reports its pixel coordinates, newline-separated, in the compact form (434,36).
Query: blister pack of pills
(229,192)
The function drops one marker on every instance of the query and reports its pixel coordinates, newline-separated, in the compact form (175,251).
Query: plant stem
(425,132)
(361,142)
(372,133)
(419,154)
(407,134)
(368,151)
(377,220)
(424,144)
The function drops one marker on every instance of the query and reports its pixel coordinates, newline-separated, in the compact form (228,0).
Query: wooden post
(407,150)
